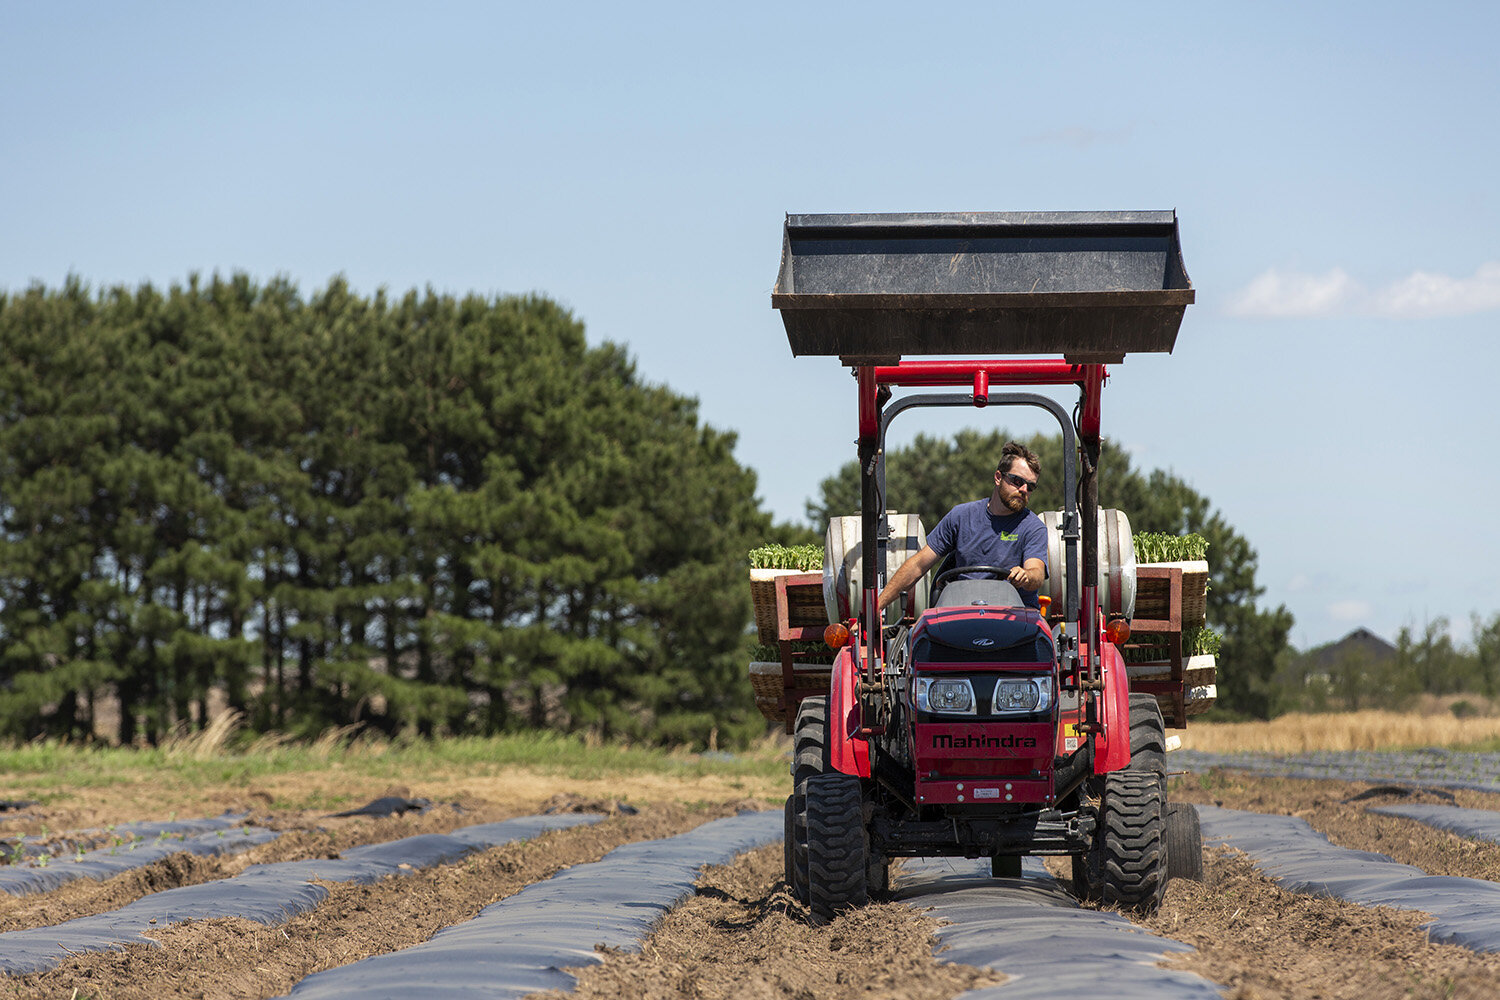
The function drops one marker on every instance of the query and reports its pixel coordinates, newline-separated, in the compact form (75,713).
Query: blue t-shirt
(979,538)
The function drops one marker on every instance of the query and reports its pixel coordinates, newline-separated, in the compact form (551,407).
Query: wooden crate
(770,687)
(1153,596)
(804,608)
(788,609)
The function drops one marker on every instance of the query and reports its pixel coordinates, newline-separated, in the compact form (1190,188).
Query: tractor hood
(971,635)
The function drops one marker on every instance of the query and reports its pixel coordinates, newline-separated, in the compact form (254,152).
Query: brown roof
(1361,643)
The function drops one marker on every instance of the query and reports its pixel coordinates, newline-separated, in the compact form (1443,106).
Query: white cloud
(1282,294)
(1298,583)
(1349,611)
(1421,294)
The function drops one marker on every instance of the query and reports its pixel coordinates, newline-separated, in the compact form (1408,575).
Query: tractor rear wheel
(794,850)
(837,853)
(1131,841)
(809,758)
(810,740)
(1148,736)
(1184,842)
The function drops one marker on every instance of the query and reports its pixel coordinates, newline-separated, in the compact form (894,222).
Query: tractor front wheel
(1131,841)
(837,853)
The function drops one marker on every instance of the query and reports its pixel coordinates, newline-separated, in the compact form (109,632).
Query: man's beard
(1015,503)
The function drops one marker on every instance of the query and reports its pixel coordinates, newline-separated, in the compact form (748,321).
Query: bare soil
(743,936)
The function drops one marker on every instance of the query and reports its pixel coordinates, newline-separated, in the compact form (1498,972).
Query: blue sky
(1332,167)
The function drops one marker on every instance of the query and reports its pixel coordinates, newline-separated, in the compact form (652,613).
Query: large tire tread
(1148,736)
(810,736)
(1133,851)
(809,759)
(837,866)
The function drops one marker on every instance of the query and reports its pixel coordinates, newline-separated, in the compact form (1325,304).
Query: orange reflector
(1118,631)
(836,636)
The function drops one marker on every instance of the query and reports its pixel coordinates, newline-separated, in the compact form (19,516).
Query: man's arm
(910,572)
(1032,572)
(1029,575)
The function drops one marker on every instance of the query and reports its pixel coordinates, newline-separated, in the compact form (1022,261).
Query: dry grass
(1298,732)
(208,743)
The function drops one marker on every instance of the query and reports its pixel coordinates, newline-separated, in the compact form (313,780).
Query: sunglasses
(1017,481)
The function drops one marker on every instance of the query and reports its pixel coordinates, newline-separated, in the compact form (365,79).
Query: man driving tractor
(996,531)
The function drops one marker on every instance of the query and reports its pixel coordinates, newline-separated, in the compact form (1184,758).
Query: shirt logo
(1007,536)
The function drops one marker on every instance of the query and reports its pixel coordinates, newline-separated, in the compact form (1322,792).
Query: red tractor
(968,724)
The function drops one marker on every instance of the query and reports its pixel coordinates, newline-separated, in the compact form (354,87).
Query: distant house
(1361,644)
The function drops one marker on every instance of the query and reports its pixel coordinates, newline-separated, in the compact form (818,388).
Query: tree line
(424,513)
(1423,661)
(421,513)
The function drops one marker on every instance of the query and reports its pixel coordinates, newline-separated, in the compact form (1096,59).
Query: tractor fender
(1113,749)
(845,753)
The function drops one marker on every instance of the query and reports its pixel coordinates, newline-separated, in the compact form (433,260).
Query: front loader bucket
(1092,286)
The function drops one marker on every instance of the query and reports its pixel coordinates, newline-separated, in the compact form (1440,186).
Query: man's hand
(1029,576)
(908,574)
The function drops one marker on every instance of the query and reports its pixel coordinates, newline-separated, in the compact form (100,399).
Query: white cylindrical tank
(842,571)
(1116,562)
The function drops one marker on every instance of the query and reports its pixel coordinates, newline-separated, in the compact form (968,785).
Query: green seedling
(1155,547)
(802,557)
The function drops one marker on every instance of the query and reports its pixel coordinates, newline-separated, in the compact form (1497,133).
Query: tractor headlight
(947,695)
(1021,695)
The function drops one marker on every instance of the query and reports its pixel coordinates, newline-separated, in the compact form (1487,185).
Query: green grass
(37,770)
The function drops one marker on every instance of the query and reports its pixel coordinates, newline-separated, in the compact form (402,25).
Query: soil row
(744,935)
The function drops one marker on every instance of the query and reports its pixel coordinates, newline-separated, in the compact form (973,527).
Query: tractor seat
(986,592)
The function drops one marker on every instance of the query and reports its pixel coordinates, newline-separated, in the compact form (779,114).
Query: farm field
(739,934)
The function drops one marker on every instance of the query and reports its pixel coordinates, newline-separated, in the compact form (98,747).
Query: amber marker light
(836,636)
(1118,631)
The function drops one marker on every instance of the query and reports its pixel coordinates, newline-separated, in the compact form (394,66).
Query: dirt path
(240,958)
(743,936)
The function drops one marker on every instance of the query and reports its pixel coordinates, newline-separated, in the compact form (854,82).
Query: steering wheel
(951,574)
